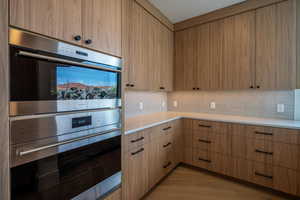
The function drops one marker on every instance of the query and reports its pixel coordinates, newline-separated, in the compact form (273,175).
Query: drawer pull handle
(165,129)
(139,151)
(205,141)
(204,126)
(205,160)
(166,145)
(263,133)
(264,152)
(167,165)
(263,175)
(139,139)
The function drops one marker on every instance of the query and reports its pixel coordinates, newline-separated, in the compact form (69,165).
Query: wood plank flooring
(189,184)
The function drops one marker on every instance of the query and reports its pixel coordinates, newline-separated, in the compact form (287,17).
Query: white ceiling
(179,10)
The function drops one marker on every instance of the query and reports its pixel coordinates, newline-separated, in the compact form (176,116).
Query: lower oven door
(87,172)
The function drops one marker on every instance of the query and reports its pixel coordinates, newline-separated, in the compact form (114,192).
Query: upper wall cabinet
(148,51)
(255,49)
(95,24)
(276,46)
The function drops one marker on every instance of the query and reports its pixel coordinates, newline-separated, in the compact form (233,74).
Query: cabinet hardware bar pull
(165,129)
(263,175)
(23,153)
(263,133)
(34,55)
(167,165)
(166,145)
(205,141)
(205,160)
(139,139)
(204,126)
(264,152)
(139,151)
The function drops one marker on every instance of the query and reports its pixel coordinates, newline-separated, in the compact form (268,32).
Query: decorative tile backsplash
(152,102)
(245,102)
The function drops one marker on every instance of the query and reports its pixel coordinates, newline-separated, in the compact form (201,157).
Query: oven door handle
(34,55)
(23,153)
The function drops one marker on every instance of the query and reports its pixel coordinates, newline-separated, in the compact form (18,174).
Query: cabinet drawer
(262,174)
(208,126)
(274,153)
(137,139)
(161,130)
(203,159)
(288,136)
(215,142)
(260,151)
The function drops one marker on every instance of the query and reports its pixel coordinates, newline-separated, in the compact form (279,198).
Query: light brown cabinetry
(150,51)
(116,195)
(275,46)
(255,49)
(97,24)
(239,51)
(262,155)
(136,179)
(149,156)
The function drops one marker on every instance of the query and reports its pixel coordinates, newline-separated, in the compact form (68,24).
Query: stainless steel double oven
(65,120)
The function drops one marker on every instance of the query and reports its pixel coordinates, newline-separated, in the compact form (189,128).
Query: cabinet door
(135,184)
(275,46)
(102,25)
(178,142)
(140,51)
(185,59)
(166,65)
(239,51)
(55,18)
(203,65)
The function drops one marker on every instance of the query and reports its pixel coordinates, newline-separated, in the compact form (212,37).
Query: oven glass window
(41,80)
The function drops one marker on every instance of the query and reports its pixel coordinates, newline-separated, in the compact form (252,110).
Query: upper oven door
(43,83)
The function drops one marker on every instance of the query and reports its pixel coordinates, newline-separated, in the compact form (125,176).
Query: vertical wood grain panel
(286,45)
(202,71)
(178,65)
(4,132)
(266,47)
(102,24)
(54,18)
(216,54)
(276,46)
(239,51)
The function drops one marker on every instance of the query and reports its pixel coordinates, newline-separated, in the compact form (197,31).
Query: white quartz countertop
(139,123)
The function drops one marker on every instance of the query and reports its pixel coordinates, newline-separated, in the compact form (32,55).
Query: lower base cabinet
(151,159)
(265,156)
(136,180)
(116,195)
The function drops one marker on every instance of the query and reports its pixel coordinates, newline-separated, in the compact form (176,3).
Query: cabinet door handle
(204,160)
(77,38)
(166,145)
(139,139)
(204,126)
(89,41)
(263,175)
(165,129)
(205,141)
(167,165)
(137,152)
(263,133)
(162,88)
(263,152)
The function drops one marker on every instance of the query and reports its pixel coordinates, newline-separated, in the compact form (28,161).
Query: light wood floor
(188,184)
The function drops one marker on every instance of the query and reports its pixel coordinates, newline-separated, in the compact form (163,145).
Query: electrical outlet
(163,104)
(212,105)
(280,108)
(141,106)
(175,104)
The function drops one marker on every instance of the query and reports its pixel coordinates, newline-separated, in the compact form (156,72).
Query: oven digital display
(81,121)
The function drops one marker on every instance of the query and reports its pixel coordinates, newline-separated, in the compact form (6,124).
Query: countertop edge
(237,121)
